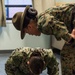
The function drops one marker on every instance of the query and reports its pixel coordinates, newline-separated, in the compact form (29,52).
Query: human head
(36,63)
(26,22)
(32,29)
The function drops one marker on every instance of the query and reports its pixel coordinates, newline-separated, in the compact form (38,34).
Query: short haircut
(36,64)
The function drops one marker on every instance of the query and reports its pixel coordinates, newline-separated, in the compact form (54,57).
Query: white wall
(42,5)
(57,44)
(10,39)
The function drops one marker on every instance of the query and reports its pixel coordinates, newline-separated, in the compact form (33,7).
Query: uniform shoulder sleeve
(9,67)
(52,67)
(49,24)
(52,64)
(16,61)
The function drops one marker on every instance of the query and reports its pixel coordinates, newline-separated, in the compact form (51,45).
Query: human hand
(72,37)
(73,33)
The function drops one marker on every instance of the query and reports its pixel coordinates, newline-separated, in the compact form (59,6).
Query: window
(13,6)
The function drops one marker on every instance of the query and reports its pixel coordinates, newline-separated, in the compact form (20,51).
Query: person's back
(21,60)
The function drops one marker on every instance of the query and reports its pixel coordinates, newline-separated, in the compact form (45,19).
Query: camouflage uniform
(57,21)
(17,62)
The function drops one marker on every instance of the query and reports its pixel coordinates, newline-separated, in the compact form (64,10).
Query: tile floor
(4,57)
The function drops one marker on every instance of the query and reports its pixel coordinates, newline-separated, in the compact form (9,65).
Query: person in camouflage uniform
(57,21)
(17,62)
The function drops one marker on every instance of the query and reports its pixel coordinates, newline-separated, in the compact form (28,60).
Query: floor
(4,57)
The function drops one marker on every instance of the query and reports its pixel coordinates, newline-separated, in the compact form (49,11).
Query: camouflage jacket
(17,62)
(56,21)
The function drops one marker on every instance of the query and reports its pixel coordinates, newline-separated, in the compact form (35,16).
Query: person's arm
(11,69)
(50,24)
(8,67)
(47,24)
(16,64)
(52,67)
(50,62)
(13,63)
